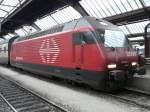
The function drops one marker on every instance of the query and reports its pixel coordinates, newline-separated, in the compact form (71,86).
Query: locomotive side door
(77,50)
(82,41)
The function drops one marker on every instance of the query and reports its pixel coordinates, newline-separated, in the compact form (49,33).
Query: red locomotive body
(87,50)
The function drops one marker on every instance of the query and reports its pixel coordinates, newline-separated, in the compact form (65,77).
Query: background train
(5,48)
(86,50)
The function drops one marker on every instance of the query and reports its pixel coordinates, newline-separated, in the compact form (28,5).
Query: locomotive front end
(122,60)
(122,72)
(118,60)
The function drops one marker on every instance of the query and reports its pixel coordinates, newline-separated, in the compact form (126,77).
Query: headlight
(110,66)
(134,63)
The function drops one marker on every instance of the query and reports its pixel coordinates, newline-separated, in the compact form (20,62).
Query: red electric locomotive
(86,50)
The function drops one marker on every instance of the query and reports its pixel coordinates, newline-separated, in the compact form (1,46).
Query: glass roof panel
(138,3)
(132,4)
(98,12)
(23,1)
(11,35)
(10,2)
(65,15)
(104,8)
(2,13)
(136,38)
(127,5)
(29,29)
(7,8)
(7,37)
(147,2)
(46,22)
(58,17)
(134,28)
(124,29)
(109,6)
(121,6)
(90,11)
(115,6)
(21,32)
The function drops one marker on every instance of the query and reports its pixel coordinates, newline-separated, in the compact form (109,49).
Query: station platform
(141,82)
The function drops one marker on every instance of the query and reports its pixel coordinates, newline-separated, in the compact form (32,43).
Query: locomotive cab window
(76,38)
(86,37)
(100,36)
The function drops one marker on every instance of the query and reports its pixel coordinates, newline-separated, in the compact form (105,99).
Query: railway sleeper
(21,101)
(17,105)
(18,98)
(15,95)
(31,107)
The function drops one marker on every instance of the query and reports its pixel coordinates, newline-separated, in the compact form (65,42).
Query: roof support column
(36,27)
(15,33)
(0,26)
(147,41)
(80,9)
(145,8)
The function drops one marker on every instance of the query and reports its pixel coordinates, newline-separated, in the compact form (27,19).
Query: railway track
(138,98)
(18,99)
(4,106)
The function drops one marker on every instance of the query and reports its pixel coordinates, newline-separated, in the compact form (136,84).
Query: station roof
(32,15)
(8,6)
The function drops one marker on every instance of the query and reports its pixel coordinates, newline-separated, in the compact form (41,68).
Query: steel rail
(26,97)
(127,95)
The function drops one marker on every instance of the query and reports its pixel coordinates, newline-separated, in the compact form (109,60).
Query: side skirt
(92,78)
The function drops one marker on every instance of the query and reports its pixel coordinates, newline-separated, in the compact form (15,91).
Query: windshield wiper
(113,48)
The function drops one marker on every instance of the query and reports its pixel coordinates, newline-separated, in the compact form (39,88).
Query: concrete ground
(73,98)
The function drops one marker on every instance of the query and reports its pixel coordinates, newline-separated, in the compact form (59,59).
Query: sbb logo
(49,51)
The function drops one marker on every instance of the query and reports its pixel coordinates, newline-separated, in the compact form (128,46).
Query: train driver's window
(100,35)
(87,37)
(76,38)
